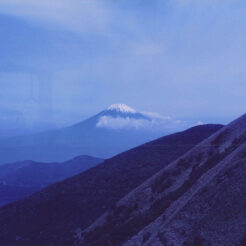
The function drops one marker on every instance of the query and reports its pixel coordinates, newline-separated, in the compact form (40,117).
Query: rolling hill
(53,215)
(199,199)
(18,180)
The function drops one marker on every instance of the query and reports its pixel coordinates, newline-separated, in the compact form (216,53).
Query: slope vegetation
(54,215)
(199,199)
(21,179)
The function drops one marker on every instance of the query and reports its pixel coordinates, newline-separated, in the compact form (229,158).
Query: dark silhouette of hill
(199,199)
(21,179)
(12,193)
(54,215)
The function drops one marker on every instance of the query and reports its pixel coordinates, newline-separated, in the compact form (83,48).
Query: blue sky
(62,61)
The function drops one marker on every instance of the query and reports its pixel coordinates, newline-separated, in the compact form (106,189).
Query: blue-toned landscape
(122,123)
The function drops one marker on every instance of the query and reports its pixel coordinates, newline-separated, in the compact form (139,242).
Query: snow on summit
(123,108)
(121,116)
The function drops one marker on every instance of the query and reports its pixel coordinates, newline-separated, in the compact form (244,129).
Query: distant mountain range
(10,193)
(18,180)
(54,215)
(108,133)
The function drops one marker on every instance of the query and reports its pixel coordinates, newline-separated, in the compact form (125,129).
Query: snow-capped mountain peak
(123,108)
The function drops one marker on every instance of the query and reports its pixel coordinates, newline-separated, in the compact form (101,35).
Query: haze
(63,61)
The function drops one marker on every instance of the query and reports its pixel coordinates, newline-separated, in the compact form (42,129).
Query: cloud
(120,122)
(202,3)
(155,115)
(156,122)
(199,56)
(75,15)
(148,48)
(200,123)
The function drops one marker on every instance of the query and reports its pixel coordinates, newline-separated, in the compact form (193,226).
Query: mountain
(18,180)
(53,215)
(199,199)
(108,133)
(10,193)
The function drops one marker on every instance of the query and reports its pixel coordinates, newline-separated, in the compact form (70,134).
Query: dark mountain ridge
(10,193)
(21,179)
(53,215)
(199,199)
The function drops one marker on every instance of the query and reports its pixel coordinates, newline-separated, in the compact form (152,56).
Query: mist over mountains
(108,133)
(184,189)
(76,202)
(167,170)
(21,179)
